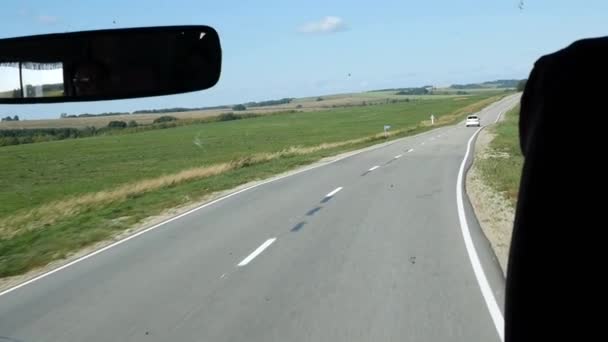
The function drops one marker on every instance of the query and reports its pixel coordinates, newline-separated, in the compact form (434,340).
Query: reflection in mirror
(108,64)
(29,79)
(43,80)
(10,87)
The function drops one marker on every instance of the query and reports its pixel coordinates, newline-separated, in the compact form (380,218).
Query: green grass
(392,95)
(35,175)
(502,169)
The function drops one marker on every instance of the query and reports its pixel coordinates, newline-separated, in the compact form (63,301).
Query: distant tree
(7,118)
(299,106)
(132,123)
(117,124)
(239,107)
(63,115)
(413,91)
(521,85)
(319,99)
(165,118)
(269,102)
(89,131)
(16,118)
(228,117)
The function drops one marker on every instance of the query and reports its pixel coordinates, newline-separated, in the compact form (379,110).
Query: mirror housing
(108,64)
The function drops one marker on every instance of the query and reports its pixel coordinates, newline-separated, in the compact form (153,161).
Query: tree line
(35,135)
(490,84)
(285,100)
(9,118)
(413,91)
(238,107)
(522,85)
(244,106)
(87,115)
(176,110)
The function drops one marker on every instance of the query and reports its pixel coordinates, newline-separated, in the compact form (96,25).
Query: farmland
(62,195)
(306,104)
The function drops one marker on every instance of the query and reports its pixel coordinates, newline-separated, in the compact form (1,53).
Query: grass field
(306,104)
(60,196)
(502,169)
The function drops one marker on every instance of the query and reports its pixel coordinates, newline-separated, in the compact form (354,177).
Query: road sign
(386,128)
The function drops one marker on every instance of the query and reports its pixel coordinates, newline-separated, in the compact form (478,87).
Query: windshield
(321,191)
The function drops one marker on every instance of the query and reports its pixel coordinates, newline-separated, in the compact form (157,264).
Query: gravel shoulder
(493,210)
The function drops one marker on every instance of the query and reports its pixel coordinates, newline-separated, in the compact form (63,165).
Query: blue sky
(278,48)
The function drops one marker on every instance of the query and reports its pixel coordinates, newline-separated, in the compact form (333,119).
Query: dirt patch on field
(493,210)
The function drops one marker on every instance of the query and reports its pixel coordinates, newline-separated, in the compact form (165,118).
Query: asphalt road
(367,248)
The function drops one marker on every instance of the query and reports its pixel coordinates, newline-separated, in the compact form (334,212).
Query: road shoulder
(493,211)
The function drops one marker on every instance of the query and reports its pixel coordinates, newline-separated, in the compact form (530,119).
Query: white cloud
(329,24)
(47,19)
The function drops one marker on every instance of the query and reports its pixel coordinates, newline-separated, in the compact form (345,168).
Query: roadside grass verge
(501,168)
(58,197)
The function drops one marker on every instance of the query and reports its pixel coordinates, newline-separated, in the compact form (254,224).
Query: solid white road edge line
(256,252)
(498,117)
(373,168)
(482,280)
(334,192)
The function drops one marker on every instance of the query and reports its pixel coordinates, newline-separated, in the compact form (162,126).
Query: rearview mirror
(108,64)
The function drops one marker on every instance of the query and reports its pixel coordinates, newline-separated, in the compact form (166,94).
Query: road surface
(367,248)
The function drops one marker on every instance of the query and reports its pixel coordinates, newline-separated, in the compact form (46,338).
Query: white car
(473,120)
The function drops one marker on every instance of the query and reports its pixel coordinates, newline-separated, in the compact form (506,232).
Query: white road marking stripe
(373,168)
(482,280)
(410,150)
(333,192)
(498,117)
(398,156)
(256,252)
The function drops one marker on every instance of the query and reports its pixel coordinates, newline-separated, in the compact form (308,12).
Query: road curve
(368,248)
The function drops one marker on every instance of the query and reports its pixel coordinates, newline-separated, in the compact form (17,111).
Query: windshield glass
(321,191)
